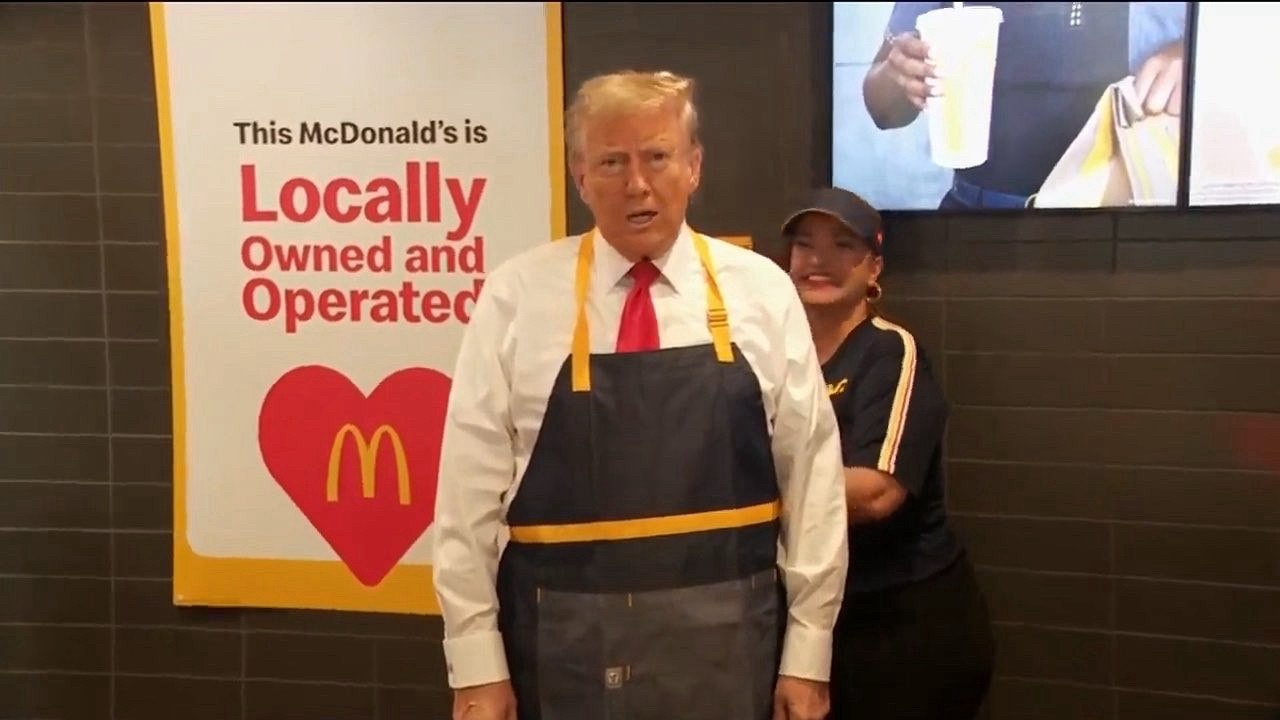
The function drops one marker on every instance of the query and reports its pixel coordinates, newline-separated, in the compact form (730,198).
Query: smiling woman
(914,638)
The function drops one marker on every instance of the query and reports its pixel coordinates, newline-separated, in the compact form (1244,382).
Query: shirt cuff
(475,659)
(806,653)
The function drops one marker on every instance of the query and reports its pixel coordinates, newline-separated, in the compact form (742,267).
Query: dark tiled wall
(1103,368)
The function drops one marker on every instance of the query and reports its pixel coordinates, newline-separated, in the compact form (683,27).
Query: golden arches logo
(367,451)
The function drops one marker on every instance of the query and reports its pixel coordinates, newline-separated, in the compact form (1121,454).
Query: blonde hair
(629,91)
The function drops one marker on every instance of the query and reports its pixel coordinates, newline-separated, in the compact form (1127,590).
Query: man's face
(636,172)
(829,264)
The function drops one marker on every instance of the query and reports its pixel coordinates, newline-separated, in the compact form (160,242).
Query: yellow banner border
(200,580)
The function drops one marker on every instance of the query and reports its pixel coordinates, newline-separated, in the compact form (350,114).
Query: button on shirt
(518,338)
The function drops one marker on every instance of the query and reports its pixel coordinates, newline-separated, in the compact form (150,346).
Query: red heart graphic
(335,453)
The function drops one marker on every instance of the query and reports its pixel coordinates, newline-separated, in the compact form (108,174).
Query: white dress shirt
(519,337)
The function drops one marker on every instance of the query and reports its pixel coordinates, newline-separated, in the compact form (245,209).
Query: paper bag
(1120,158)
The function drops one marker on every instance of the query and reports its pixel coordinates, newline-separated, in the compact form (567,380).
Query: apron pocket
(708,652)
(571,647)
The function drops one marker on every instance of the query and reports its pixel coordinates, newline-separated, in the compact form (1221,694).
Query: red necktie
(639,327)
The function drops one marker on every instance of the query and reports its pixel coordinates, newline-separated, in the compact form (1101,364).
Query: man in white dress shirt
(641,510)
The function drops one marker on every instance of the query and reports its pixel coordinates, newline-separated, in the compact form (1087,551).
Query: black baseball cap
(847,207)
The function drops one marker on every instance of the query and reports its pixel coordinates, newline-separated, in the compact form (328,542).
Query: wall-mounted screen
(1235,129)
(958,106)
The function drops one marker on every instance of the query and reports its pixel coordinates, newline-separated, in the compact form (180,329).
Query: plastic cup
(962,44)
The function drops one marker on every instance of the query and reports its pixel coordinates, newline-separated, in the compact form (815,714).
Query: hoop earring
(874,292)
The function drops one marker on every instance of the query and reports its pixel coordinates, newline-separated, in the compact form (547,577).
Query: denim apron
(640,580)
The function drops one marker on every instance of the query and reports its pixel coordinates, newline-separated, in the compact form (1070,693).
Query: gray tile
(1014,596)
(135,266)
(174,651)
(123,73)
(46,169)
(1244,557)
(1193,382)
(142,460)
(48,218)
(1213,225)
(53,410)
(1046,654)
(166,698)
(51,315)
(412,703)
(1028,435)
(42,24)
(1215,612)
(57,695)
(119,27)
(44,600)
(1136,705)
(1200,326)
(1025,325)
(129,168)
(143,555)
(137,316)
(55,505)
(1033,228)
(309,658)
(50,266)
(133,219)
(1030,269)
(1197,497)
(52,362)
(140,364)
(45,120)
(1191,268)
(50,648)
(302,701)
(126,119)
(142,507)
(55,552)
(1014,699)
(410,661)
(1051,545)
(1079,381)
(1061,491)
(141,412)
(1188,667)
(50,457)
(46,70)
(1136,437)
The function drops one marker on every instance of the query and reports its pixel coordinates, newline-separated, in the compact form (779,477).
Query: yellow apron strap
(581,335)
(717,316)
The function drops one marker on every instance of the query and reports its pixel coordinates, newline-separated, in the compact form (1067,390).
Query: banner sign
(338,179)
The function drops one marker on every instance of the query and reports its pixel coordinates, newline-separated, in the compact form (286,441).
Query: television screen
(1235,136)
(964,106)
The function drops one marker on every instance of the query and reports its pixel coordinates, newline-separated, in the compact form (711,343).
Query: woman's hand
(871,494)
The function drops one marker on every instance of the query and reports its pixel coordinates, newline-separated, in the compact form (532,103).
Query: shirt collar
(676,264)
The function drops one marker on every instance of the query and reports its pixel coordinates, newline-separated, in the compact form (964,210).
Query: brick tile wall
(1099,366)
